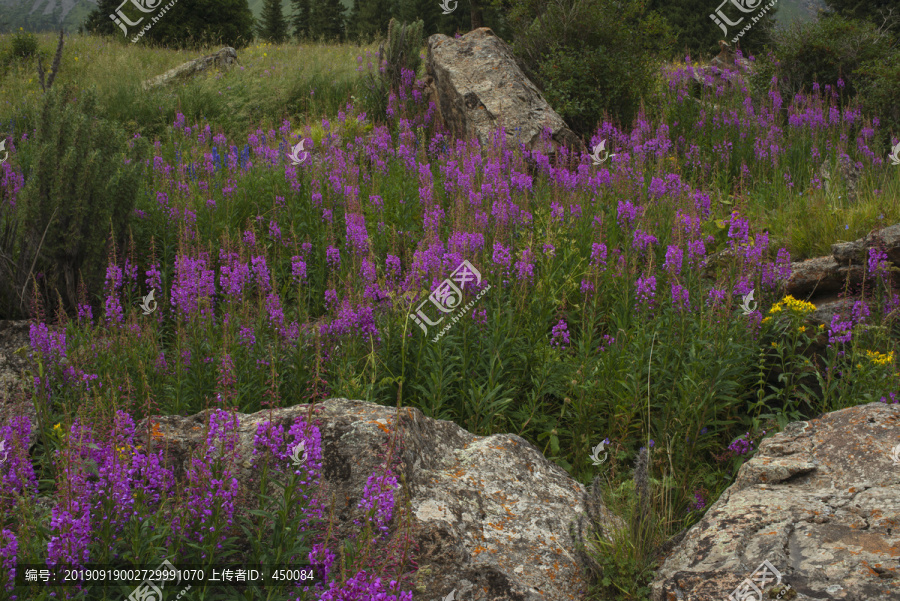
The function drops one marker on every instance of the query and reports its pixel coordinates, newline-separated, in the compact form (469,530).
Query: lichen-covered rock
(222,60)
(490,514)
(480,87)
(820,501)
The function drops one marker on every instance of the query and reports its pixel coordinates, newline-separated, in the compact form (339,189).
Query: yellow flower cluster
(798,306)
(880,358)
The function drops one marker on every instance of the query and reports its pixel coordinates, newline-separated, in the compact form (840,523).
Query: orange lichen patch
(459,473)
(155,432)
(479,549)
(382,426)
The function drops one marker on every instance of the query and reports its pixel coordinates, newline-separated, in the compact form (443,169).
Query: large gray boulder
(490,515)
(819,501)
(479,87)
(222,60)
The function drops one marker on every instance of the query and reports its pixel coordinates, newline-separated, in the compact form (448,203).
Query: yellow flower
(265,54)
(880,358)
(821,326)
(801,329)
(765,319)
(58,429)
(774,345)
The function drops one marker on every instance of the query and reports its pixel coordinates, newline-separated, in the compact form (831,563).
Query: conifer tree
(302,18)
(328,20)
(273,26)
(370,18)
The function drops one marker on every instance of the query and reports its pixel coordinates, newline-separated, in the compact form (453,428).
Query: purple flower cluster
(362,586)
(9,547)
(193,282)
(560,337)
(210,497)
(378,499)
(742,445)
(839,331)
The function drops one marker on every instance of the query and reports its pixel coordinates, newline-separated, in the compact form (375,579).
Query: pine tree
(370,18)
(420,10)
(301,19)
(273,26)
(353,21)
(328,20)
(188,24)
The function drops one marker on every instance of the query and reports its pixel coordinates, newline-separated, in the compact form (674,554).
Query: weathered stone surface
(222,60)
(820,501)
(480,87)
(490,514)
(846,172)
(821,275)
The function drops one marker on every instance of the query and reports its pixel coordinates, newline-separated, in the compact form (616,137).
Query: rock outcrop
(819,501)
(480,87)
(490,514)
(222,60)
(845,266)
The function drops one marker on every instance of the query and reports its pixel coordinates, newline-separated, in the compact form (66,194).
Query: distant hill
(46,15)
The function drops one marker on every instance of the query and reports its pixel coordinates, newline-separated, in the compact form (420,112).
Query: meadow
(278,284)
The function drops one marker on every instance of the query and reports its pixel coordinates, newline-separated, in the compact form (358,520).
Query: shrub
(878,83)
(823,51)
(24,44)
(591,56)
(78,185)
(403,43)
(399,53)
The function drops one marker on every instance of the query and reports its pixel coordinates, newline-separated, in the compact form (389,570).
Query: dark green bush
(81,183)
(24,44)
(400,51)
(823,51)
(879,90)
(590,56)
